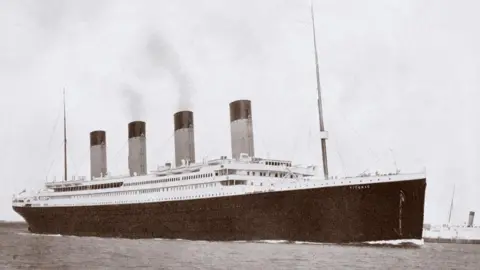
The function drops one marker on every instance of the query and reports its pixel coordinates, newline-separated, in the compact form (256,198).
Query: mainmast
(451,205)
(64,138)
(323,134)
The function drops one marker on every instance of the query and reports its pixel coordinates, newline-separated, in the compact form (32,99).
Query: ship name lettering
(359,187)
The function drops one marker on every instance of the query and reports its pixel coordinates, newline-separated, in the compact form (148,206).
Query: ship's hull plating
(371,212)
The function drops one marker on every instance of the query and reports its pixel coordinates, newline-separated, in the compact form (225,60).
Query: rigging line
(164,145)
(375,162)
(364,141)
(212,149)
(65,165)
(84,159)
(340,157)
(53,161)
(53,130)
(451,205)
(297,137)
(394,160)
(295,145)
(75,168)
(51,165)
(117,156)
(267,153)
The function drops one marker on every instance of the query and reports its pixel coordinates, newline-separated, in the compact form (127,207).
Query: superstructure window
(89,187)
(233,182)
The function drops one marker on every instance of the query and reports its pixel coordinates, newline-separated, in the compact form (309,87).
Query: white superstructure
(214,178)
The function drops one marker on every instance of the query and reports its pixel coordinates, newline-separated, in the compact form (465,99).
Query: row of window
(171,179)
(271,174)
(166,199)
(133,192)
(153,181)
(233,182)
(277,163)
(89,187)
(253,173)
(156,181)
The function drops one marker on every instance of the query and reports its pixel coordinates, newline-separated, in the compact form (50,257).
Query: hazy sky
(401,82)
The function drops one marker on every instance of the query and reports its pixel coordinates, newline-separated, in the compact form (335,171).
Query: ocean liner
(242,197)
(467,233)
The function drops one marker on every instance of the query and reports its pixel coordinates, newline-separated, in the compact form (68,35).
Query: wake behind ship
(243,197)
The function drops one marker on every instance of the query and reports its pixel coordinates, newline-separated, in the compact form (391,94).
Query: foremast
(323,133)
(64,139)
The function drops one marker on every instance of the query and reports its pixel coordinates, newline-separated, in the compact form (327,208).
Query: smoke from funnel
(135,102)
(163,55)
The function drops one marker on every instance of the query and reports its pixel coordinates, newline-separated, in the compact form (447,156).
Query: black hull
(342,214)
